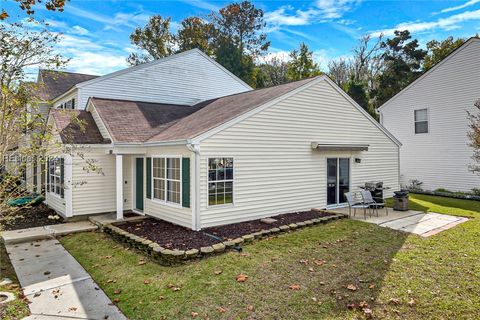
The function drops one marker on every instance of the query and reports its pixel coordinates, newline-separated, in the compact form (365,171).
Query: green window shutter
(149,178)
(62,177)
(186,182)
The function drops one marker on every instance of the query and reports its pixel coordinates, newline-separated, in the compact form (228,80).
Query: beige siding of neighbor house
(93,192)
(187,78)
(170,212)
(277,171)
(441,157)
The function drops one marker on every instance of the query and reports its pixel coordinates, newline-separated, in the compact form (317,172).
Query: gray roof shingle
(52,83)
(77,127)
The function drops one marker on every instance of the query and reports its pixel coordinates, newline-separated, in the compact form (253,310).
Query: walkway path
(57,286)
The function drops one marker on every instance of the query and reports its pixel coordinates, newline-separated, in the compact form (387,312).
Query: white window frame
(225,180)
(415,121)
(165,201)
(52,177)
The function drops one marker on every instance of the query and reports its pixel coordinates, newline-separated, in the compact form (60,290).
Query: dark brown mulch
(168,235)
(29,218)
(235,230)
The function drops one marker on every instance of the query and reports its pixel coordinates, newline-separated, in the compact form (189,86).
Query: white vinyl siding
(276,169)
(187,79)
(440,159)
(171,212)
(94,192)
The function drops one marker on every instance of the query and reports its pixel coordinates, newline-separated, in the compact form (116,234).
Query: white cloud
(98,63)
(320,11)
(79,30)
(202,4)
(449,23)
(466,4)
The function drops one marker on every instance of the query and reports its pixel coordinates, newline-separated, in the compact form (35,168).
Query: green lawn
(399,276)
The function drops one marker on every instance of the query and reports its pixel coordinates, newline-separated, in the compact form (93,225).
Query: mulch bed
(235,230)
(29,218)
(168,235)
(172,236)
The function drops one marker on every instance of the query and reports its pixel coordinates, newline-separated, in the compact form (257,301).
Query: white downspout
(195,148)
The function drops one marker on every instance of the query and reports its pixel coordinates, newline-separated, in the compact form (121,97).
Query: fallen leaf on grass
(411,303)
(368,313)
(294,287)
(194,314)
(118,291)
(108,257)
(176,288)
(250,308)
(241,278)
(221,309)
(217,272)
(351,287)
(141,262)
(311,269)
(319,262)
(146,281)
(305,262)
(351,306)
(372,286)
(116,300)
(363,304)
(394,301)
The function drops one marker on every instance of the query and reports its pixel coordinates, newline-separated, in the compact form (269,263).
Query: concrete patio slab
(109,218)
(57,285)
(417,222)
(46,232)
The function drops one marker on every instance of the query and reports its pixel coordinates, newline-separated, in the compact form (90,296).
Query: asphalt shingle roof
(53,83)
(77,127)
(135,121)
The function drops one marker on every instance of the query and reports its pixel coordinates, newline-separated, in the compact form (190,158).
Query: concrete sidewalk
(46,232)
(57,285)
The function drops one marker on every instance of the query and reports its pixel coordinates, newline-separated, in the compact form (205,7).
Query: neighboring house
(429,117)
(199,161)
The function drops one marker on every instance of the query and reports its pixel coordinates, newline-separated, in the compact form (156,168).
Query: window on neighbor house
(220,181)
(166,174)
(421,121)
(55,175)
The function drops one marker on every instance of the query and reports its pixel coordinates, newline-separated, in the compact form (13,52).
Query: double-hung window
(421,121)
(55,175)
(167,179)
(220,181)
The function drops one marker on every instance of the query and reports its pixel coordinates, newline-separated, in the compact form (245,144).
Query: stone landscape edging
(170,257)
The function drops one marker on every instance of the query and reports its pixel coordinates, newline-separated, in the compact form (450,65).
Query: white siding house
(244,156)
(436,152)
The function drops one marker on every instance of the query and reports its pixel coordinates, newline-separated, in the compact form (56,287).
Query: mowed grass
(399,276)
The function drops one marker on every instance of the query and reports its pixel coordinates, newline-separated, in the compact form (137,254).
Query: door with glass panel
(338,180)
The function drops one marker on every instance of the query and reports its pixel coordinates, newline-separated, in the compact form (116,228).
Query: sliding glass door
(338,180)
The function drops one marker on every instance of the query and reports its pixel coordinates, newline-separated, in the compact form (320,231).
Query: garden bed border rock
(170,257)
